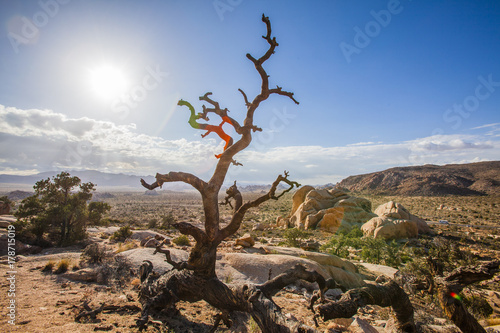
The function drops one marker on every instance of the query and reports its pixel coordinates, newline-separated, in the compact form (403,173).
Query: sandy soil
(47,302)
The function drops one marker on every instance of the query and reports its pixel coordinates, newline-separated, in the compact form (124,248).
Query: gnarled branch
(185,177)
(239,213)
(388,294)
(168,258)
(450,286)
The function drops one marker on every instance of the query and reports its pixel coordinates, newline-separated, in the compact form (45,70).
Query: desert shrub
(121,234)
(354,232)
(450,254)
(116,272)
(293,237)
(167,221)
(62,266)
(340,243)
(372,250)
(126,246)
(152,223)
(49,266)
(95,253)
(393,254)
(182,240)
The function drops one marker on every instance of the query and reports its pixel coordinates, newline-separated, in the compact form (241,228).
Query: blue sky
(380,84)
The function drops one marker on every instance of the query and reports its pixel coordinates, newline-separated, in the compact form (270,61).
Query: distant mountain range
(429,180)
(101,179)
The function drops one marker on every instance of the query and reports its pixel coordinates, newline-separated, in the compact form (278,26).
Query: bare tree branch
(247,103)
(388,294)
(188,229)
(297,272)
(239,213)
(187,178)
(222,113)
(177,265)
(450,286)
(278,90)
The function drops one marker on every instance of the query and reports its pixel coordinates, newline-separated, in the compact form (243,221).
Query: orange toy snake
(209,128)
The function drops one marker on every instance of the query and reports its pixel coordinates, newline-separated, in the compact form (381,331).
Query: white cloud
(42,140)
(50,140)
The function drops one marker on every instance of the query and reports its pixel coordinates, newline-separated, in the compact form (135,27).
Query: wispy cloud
(486,126)
(41,140)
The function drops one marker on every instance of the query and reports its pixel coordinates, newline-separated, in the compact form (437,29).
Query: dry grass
(62,266)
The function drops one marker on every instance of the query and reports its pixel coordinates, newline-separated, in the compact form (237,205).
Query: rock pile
(327,210)
(394,221)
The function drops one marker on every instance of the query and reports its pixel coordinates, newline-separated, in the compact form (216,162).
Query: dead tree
(448,288)
(387,294)
(196,279)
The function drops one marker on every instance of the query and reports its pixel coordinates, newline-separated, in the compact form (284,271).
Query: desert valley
(356,236)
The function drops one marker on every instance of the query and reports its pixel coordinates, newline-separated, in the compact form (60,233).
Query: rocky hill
(481,178)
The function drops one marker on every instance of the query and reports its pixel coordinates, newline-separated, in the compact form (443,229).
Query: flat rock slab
(105,230)
(137,256)
(380,269)
(235,268)
(144,234)
(320,258)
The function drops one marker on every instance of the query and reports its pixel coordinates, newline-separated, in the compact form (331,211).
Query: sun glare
(108,82)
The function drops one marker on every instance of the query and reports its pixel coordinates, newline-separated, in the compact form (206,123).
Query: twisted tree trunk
(196,278)
(447,289)
(387,294)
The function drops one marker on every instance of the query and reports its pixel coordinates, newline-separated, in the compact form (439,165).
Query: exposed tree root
(158,293)
(447,289)
(387,294)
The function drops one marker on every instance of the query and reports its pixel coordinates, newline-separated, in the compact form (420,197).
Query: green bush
(59,211)
(182,240)
(339,245)
(122,234)
(167,221)
(373,250)
(293,237)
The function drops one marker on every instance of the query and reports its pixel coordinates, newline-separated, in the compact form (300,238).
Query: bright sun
(108,82)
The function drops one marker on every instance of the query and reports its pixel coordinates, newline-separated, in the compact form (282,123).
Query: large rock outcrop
(327,210)
(239,268)
(394,221)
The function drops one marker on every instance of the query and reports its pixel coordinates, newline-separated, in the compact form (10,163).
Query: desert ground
(47,301)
